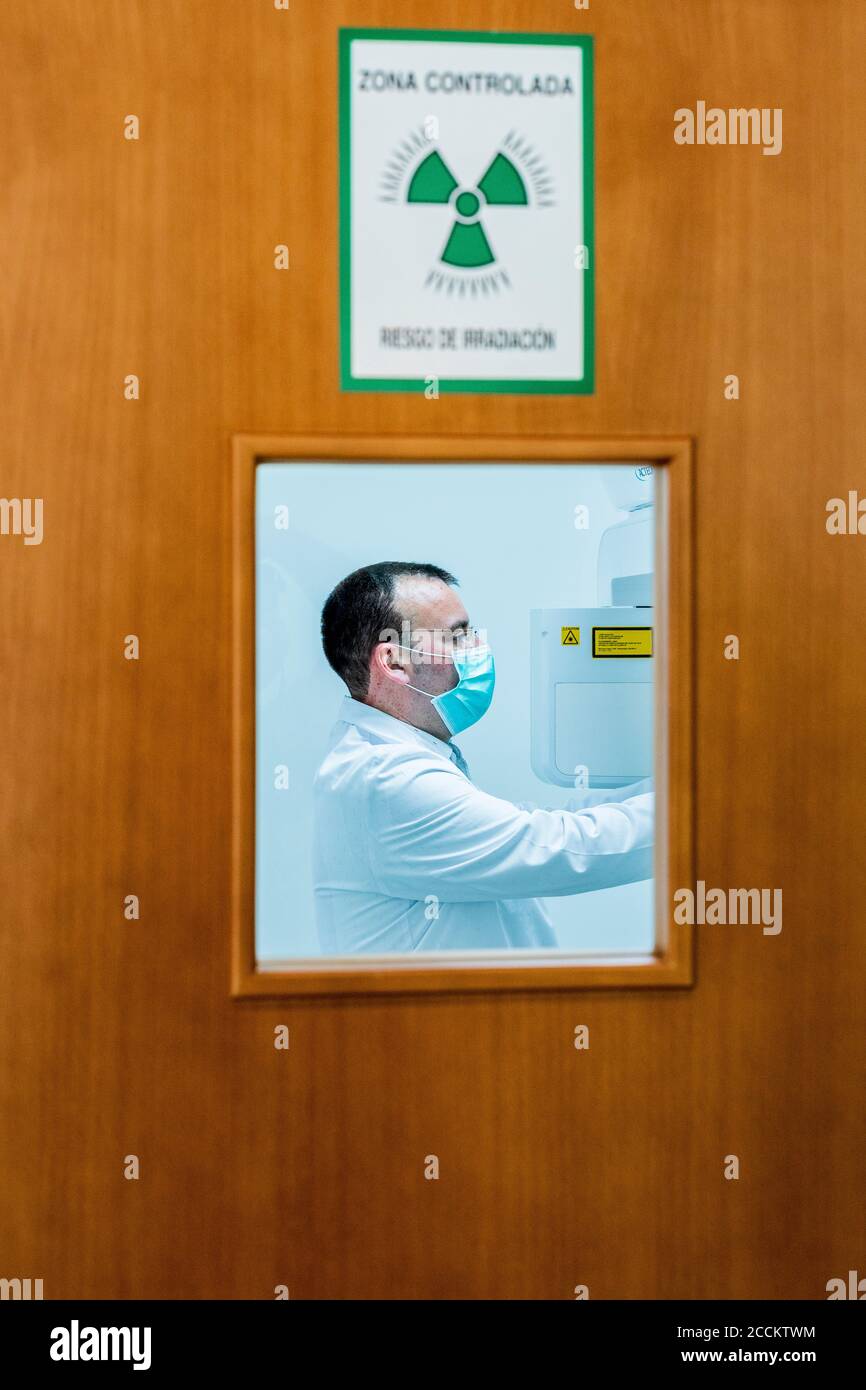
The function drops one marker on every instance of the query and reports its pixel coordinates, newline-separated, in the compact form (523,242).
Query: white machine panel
(592,695)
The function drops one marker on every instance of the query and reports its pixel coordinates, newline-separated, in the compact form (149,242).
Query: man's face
(435,624)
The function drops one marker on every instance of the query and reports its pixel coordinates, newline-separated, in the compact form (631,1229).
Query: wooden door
(154,258)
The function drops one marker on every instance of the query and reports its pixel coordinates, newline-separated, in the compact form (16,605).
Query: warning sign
(570,636)
(622,641)
(466,211)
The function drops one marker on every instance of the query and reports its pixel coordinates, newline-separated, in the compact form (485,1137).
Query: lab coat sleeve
(598,796)
(434,832)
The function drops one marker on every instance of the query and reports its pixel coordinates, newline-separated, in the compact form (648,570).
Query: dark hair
(359,610)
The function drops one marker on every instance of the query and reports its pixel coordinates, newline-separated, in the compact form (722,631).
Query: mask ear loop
(484,647)
(404,648)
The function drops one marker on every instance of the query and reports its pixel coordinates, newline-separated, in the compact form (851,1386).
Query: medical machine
(592,668)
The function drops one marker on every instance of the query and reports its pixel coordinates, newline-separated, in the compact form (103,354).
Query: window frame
(672,962)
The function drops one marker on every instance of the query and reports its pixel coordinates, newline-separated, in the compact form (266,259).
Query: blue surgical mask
(470,698)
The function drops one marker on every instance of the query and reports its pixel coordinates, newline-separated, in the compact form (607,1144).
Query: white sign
(466,242)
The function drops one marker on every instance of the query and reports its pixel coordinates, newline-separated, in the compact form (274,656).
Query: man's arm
(580,800)
(432,831)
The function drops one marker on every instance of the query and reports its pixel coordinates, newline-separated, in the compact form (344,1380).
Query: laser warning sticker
(466,212)
(569,636)
(622,641)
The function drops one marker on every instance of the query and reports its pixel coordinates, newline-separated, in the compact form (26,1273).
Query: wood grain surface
(305,1167)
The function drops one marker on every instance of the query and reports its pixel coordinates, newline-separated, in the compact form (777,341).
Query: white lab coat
(409,855)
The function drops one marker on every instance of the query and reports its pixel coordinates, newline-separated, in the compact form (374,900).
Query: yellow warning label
(622,641)
(570,636)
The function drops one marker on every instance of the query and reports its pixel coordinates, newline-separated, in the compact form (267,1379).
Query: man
(408,854)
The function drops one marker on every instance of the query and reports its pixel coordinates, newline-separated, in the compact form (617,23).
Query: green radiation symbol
(500,185)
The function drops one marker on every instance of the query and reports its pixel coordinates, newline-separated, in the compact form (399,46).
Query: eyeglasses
(444,641)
